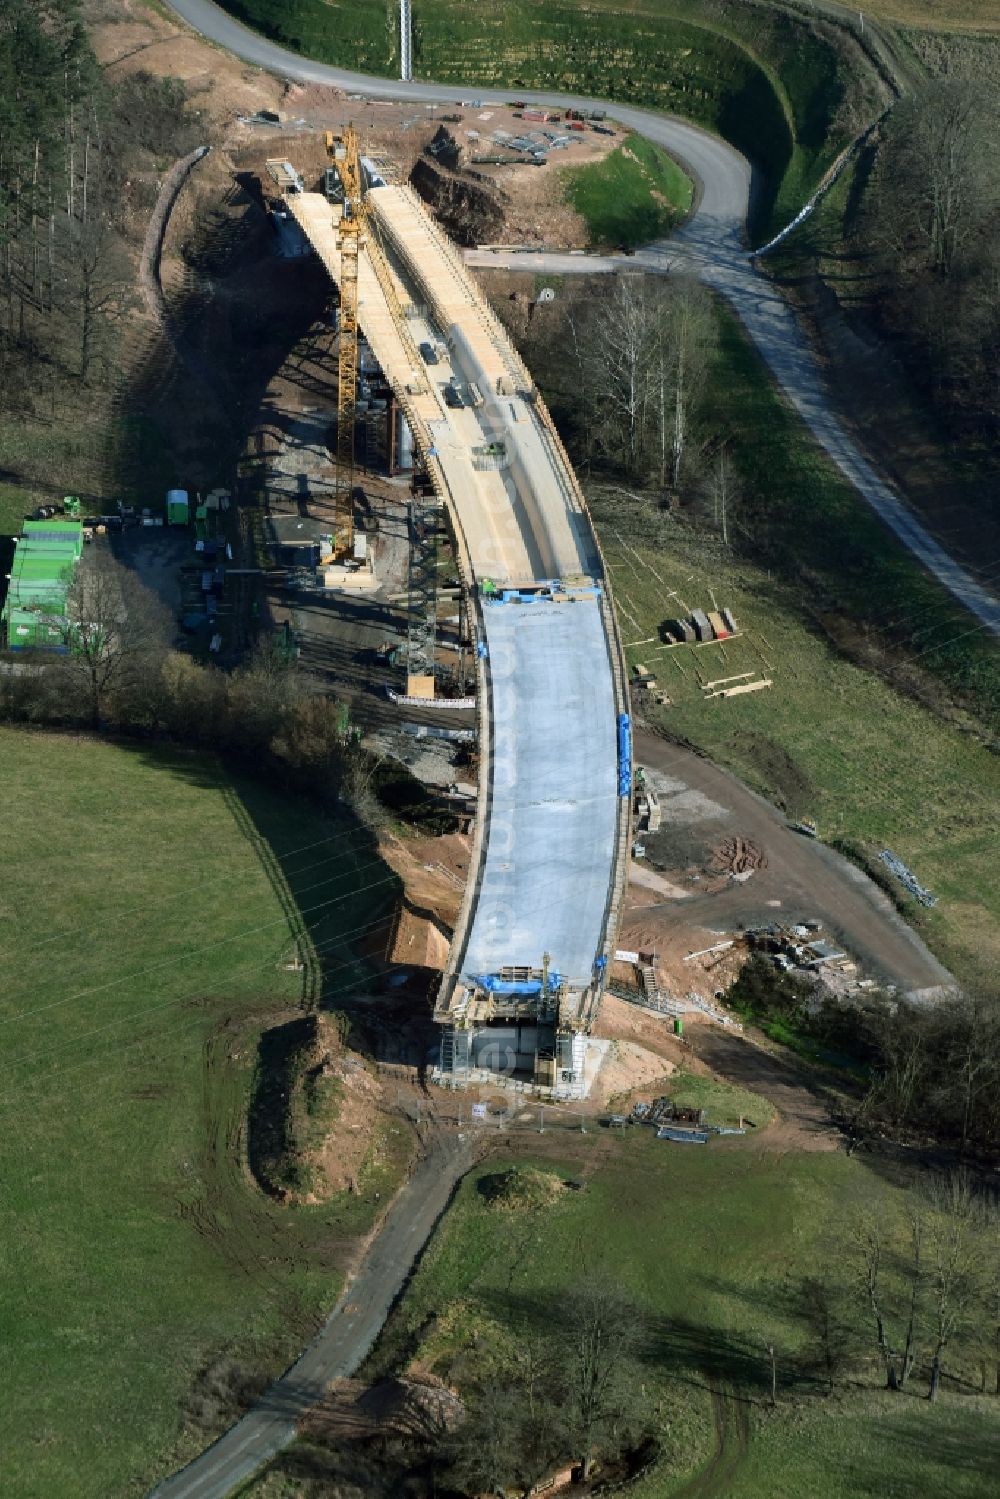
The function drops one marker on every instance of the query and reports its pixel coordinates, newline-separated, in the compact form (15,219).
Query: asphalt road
(711,245)
(345,1340)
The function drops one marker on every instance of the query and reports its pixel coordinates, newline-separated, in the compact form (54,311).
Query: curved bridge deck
(541,906)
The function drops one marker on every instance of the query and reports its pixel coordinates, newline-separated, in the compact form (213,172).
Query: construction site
(405,522)
(553,804)
(424,549)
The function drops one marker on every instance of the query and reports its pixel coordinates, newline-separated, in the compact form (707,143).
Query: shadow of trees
(238,311)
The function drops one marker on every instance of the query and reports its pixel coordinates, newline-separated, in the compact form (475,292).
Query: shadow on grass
(324,867)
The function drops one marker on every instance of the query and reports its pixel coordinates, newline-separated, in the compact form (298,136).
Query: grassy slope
(363,34)
(141,1252)
(714,1242)
(944,15)
(823,533)
(760,77)
(616,195)
(944,479)
(831,739)
(869,1446)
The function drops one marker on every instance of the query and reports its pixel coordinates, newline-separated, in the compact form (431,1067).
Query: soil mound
(521,1189)
(313,1113)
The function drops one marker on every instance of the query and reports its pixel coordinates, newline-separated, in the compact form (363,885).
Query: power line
(191,994)
(195,952)
(119,915)
(9,1101)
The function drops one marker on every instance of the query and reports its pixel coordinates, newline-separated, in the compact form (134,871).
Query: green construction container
(178,509)
(62,528)
(38,593)
(43,562)
(27,628)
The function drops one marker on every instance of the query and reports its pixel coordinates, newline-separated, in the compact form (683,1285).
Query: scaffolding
(425,533)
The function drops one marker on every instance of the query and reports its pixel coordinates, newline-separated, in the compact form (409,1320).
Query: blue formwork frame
(624,755)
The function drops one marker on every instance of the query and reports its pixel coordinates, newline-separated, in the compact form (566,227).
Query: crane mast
(344,150)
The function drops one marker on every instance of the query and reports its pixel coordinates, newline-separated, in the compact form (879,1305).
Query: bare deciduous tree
(937,176)
(686,350)
(599,1364)
(892,1280)
(115,631)
(642,350)
(721,490)
(961,1252)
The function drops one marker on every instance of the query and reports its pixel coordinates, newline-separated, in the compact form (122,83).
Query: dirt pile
(419,939)
(471,210)
(627,1067)
(521,1189)
(313,1112)
(738,856)
(422,1408)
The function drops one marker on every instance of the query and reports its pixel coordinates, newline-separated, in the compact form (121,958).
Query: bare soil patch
(628,1068)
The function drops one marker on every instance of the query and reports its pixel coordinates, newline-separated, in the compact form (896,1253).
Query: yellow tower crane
(344,151)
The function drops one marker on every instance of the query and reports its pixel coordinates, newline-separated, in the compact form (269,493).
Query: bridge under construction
(549,859)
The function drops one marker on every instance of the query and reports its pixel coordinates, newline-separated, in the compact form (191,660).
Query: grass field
(714,1243)
(149,907)
(866,1446)
(804,513)
(636,194)
(14,505)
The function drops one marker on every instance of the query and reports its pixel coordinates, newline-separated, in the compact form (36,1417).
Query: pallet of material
(702,627)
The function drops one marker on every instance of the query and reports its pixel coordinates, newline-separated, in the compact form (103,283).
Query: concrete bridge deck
(552,830)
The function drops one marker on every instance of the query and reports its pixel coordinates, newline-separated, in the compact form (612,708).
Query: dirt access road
(801,878)
(711,245)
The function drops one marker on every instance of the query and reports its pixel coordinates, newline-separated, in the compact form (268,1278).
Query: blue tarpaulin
(494,984)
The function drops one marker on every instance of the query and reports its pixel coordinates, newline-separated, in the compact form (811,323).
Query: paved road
(346,1338)
(712,245)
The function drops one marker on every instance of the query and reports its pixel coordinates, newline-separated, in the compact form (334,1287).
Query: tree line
(929,227)
(119,671)
(923,1071)
(70,139)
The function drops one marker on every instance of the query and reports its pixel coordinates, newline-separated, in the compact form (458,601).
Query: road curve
(344,1341)
(711,245)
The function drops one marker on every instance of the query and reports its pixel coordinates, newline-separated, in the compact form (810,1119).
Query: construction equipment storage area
(526,968)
